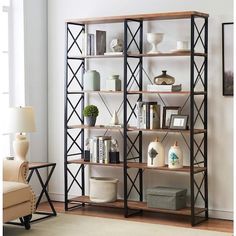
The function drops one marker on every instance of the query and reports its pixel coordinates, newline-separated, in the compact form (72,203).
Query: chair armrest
(15,170)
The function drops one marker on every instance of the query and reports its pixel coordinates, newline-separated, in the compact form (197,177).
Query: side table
(35,167)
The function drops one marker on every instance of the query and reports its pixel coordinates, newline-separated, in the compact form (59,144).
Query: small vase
(164,79)
(113,83)
(175,157)
(90,120)
(92,80)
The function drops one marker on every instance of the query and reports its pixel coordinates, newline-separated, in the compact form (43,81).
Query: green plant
(90,110)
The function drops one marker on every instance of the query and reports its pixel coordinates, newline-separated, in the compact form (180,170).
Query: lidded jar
(175,157)
(156,156)
(164,79)
(92,80)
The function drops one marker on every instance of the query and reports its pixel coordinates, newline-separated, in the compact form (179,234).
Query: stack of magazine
(148,115)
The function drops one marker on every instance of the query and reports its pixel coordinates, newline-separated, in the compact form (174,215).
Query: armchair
(18,197)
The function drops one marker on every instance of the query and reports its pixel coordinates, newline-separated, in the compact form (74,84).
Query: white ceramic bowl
(154,39)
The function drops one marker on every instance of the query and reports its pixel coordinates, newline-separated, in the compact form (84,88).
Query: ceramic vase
(156,156)
(92,80)
(175,157)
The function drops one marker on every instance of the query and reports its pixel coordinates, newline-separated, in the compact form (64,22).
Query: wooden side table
(35,167)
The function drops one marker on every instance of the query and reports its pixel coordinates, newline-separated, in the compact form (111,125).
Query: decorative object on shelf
(87,150)
(175,157)
(91,80)
(167,112)
(164,79)
(164,88)
(114,119)
(114,156)
(156,157)
(103,189)
(154,39)
(178,121)
(100,42)
(20,120)
(148,118)
(113,83)
(90,112)
(166,198)
(116,45)
(228,58)
(182,46)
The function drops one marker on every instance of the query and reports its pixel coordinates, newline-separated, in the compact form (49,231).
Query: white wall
(220,127)
(36,94)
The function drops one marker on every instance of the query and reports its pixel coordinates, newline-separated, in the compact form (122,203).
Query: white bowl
(154,39)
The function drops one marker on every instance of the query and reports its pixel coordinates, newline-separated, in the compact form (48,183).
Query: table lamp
(20,121)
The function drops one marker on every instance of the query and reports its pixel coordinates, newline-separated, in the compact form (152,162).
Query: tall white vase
(175,157)
(155,155)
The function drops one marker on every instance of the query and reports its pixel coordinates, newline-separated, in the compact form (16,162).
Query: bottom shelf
(136,205)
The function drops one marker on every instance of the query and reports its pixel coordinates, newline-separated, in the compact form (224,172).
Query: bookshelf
(196,171)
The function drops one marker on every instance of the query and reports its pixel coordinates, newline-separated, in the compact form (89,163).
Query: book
(164,88)
(88,44)
(154,116)
(147,118)
(100,42)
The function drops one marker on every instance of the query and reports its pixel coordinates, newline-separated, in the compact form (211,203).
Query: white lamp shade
(20,120)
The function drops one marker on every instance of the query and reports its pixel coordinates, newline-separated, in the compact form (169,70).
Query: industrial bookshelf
(198,74)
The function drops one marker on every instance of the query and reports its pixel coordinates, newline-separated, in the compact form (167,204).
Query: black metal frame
(69,96)
(44,185)
(133,144)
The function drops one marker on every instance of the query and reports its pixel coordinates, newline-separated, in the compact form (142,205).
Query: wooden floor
(148,217)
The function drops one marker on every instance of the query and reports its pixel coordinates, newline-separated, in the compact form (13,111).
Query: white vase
(156,155)
(175,157)
(114,119)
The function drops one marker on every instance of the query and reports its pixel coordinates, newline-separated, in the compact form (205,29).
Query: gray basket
(166,198)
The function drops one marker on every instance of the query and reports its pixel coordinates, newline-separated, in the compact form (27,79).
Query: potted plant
(90,112)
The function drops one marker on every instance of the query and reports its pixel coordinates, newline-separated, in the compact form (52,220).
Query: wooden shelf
(136,205)
(185,169)
(196,131)
(153,16)
(96,127)
(81,161)
(163,54)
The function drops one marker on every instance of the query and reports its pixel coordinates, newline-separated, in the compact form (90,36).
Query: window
(4,72)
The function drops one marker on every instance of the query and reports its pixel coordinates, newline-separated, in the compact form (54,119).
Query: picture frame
(178,121)
(227,58)
(166,116)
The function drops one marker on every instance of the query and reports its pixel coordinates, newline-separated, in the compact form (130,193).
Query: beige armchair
(18,197)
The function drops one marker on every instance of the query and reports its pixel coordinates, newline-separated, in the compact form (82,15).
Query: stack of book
(94,45)
(148,115)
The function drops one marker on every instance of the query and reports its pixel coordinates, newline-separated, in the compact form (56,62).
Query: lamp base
(20,147)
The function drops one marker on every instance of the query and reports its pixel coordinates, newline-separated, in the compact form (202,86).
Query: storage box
(166,198)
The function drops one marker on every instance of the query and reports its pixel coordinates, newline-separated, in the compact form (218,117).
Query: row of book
(148,115)
(94,44)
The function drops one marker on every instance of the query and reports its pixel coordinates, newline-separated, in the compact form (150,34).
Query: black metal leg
(44,191)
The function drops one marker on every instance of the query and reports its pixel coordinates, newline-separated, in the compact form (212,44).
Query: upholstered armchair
(18,197)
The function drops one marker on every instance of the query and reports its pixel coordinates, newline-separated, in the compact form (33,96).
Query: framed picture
(228,58)
(167,112)
(178,121)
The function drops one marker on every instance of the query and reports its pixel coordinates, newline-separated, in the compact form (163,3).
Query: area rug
(75,225)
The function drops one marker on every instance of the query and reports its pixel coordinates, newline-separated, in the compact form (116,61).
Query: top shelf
(145,17)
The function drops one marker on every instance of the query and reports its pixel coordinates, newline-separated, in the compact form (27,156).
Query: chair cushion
(15,193)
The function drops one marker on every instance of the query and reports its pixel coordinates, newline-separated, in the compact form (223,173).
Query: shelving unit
(197,171)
